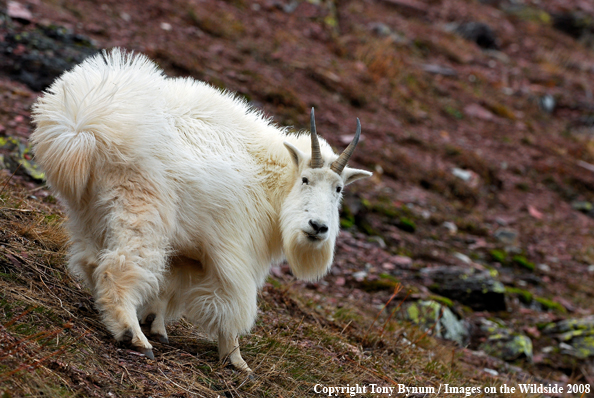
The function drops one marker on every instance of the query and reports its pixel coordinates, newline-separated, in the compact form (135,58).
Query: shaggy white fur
(180,197)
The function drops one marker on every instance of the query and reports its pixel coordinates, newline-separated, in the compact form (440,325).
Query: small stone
(340,281)
(547,103)
(276,271)
(501,221)
(478,32)
(506,236)
(492,372)
(388,266)
(347,138)
(359,275)
(451,227)
(583,206)
(439,70)
(464,175)
(379,240)
(166,26)
(401,261)
(380,29)
(463,257)
(566,347)
(591,268)
(291,7)
(475,110)
(534,212)
(17,11)
(544,267)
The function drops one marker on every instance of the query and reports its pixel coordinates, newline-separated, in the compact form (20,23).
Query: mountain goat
(181,196)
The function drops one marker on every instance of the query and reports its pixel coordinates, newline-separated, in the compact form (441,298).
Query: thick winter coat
(181,196)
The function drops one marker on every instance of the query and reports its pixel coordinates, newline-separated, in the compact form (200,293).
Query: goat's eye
(338,189)
(305,180)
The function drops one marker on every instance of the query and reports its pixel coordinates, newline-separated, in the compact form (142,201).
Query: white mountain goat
(180,197)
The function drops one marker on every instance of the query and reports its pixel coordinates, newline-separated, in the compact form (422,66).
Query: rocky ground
(478,122)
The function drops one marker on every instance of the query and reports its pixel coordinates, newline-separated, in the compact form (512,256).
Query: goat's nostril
(314,225)
(318,227)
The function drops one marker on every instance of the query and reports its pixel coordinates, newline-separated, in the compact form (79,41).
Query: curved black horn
(339,164)
(316,155)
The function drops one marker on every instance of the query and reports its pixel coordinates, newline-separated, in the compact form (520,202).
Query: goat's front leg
(229,351)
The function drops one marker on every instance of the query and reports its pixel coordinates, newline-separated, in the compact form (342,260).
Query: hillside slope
(478,124)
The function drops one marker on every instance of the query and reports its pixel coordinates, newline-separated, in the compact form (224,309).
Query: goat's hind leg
(130,268)
(121,287)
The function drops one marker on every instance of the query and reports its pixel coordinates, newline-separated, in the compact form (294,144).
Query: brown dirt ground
(417,127)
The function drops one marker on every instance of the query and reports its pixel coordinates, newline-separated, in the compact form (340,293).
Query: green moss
(385,282)
(442,300)
(387,210)
(347,223)
(452,150)
(50,199)
(503,111)
(450,110)
(274,282)
(550,304)
(347,219)
(346,314)
(498,255)
(532,14)
(522,261)
(52,218)
(524,295)
(407,225)
(366,203)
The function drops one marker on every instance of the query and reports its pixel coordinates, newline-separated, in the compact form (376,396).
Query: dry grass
(53,344)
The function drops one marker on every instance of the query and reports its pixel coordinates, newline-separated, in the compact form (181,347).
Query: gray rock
(19,158)
(505,343)
(464,175)
(547,103)
(443,323)
(451,227)
(47,53)
(439,70)
(380,29)
(574,23)
(476,289)
(576,336)
(478,32)
(507,236)
(583,206)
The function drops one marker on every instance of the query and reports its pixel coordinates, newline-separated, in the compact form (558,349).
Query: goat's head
(309,217)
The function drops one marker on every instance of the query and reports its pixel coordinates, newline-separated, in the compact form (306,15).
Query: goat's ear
(350,175)
(295,153)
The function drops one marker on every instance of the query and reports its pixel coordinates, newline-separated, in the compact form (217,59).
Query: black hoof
(147,352)
(162,339)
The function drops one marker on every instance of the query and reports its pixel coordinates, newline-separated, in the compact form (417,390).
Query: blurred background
(475,230)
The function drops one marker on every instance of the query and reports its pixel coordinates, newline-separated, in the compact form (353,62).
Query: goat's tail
(88,117)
